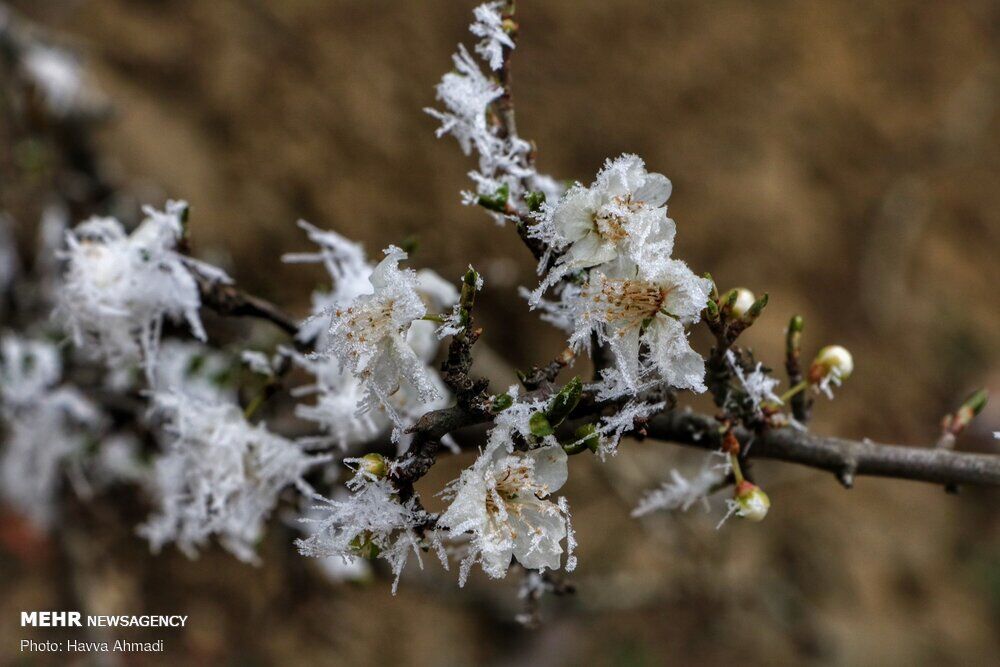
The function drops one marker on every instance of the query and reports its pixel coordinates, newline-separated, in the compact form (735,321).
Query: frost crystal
(219,475)
(371,522)
(758,385)
(680,493)
(467,93)
(368,337)
(118,288)
(502,500)
(488,25)
(613,427)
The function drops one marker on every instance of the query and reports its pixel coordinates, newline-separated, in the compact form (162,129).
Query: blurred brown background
(843,156)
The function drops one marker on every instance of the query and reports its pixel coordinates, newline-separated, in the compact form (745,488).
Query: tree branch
(844,458)
(228,300)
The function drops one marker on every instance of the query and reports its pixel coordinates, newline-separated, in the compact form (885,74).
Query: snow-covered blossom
(503,501)
(119,288)
(47,427)
(488,25)
(629,310)
(369,338)
(622,214)
(343,407)
(339,394)
(219,475)
(680,493)
(370,522)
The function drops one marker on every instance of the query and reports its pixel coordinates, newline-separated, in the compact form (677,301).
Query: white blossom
(622,214)
(369,338)
(503,501)
(119,288)
(342,406)
(488,25)
(371,521)
(219,475)
(642,318)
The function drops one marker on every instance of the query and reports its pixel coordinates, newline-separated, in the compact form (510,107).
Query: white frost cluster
(467,95)
(371,521)
(56,75)
(119,288)
(758,385)
(46,428)
(680,493)
(373,372)
(634,296)
(504,501)
(219,475)
(488,25)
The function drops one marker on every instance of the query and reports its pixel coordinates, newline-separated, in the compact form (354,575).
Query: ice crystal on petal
(219,475)
(502,500)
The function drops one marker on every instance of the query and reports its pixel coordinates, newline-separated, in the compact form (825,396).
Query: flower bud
(741,299)
(374,465)
(753,502)
(831,359)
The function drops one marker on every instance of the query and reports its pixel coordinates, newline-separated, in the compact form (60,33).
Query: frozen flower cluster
(630,294)
(119,288)
(218,475)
